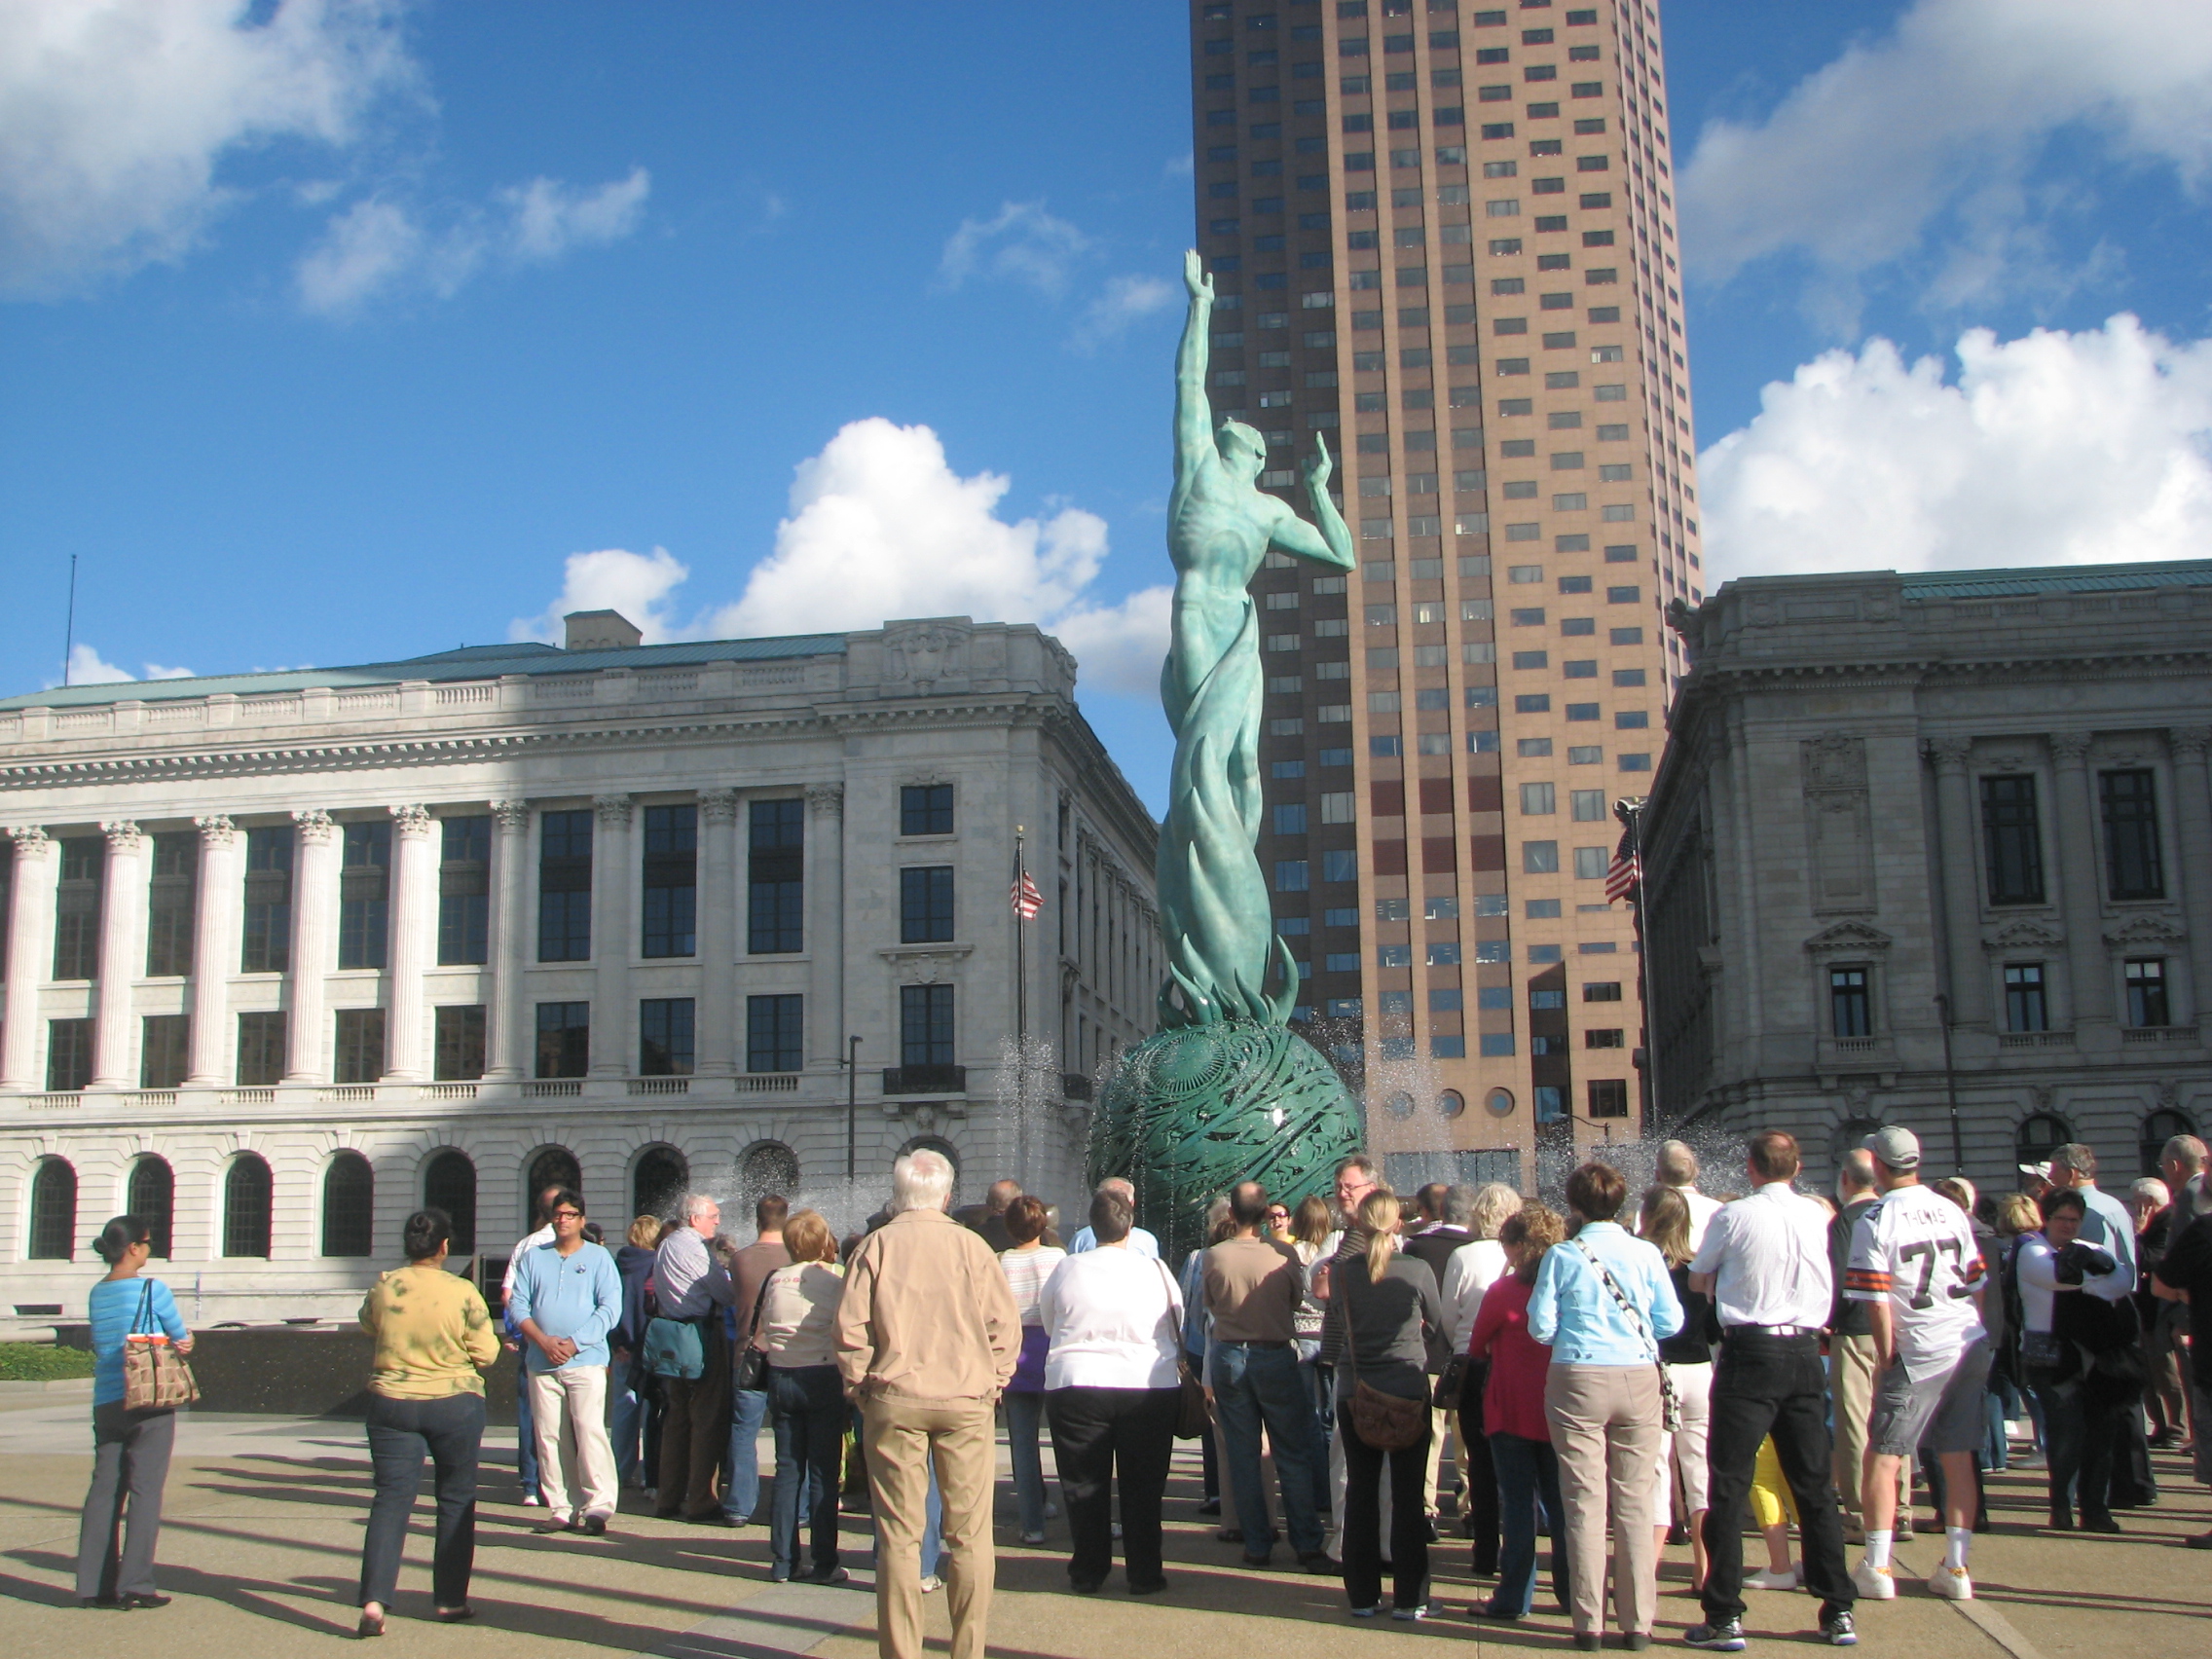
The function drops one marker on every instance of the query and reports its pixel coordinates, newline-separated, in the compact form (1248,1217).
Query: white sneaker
(1951,1583)
(1874,1583)
(932,1584)
(1769,1579)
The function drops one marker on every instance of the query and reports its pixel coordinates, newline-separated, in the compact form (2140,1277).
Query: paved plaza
(262,1541)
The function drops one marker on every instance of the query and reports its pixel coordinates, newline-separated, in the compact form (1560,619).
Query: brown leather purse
(1383,1422)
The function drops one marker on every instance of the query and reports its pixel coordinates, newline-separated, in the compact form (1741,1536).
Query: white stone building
(1976,799)
(288,955)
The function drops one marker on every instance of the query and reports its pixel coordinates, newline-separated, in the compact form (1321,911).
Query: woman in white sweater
(806,1397)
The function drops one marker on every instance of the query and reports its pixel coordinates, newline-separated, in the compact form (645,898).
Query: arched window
(657,1180)
(767,1167)
(1399,1105)
(246,1199)
(554,1166)
(348,1206)
(1499,1102)
(53,1210)
(449,1183)
(2041,1135)
(2159,1127)
(1450,1104)
(153,1199)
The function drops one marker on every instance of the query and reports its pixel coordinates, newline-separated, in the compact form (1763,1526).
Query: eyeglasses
(567,1215)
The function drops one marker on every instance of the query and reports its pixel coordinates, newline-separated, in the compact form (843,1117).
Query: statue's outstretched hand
(1194,278)
(1318,466)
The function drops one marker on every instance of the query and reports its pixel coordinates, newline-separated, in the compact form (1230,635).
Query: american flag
(1027,901)
(1627,871)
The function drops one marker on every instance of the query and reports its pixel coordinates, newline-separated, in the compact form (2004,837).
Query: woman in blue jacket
(131,1450)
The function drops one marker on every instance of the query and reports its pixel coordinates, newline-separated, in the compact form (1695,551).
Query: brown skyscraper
(1444,238)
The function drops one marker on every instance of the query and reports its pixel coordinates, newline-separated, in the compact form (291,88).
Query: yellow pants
(1771,1503)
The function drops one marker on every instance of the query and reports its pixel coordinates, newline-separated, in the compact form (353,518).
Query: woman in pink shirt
(1513,1416)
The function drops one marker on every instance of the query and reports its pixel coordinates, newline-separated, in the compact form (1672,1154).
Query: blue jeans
(625,1416)
(741,1473)
(1527,1470)
(525,1436)
(1254,1384)
(1025,1412)
(807,1404)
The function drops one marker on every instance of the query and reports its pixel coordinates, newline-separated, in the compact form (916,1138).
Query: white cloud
(155,671)
(1179,167)
(1022,244)
(637,584)
(87,667)
(1950,113)
(2051,449)
(882,527)
(549,217)
(364,252)
(115,114)
(1124,301)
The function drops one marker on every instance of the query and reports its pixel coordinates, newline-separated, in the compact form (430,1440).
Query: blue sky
(332,333)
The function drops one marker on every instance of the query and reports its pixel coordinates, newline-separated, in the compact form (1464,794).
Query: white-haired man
(1141,1242)
(928,1333)
(1677,1167)
(693,1288)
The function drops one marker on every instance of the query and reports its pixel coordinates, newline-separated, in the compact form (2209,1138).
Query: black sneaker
(1839,1630)
(1726,1637)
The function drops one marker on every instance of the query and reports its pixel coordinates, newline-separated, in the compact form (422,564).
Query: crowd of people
(1614,1377)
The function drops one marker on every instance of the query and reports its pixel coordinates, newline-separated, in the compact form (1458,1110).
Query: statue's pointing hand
(1318,466)
(1195,276)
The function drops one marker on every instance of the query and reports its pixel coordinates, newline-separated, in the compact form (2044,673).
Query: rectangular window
(261,1047)
(1340,865)
(77,907)
(164,1051)
(464,891)
(775,1034)
(1539,858)
(359,1056)
(1538,799)
(664,1036)
(1292,875)
(68,1054)
(1608,1098)
(2012,840)
(564,889)
(925,1026)
(265,945)
(925,809)
(2132,869)
(364,895)
(671,877)
(1850,1014)
(1589,806)
(776,877)
(564,1039)
(170,907)
(2025,1009)
(1589,862)
(2146,993)
(1290,819)
(456,1050)
(925,905)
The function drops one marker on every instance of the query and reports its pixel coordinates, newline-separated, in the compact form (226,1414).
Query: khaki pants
(904,1438)
(1851,1391)
(575,1459)
(1605,1428)
(1438,1424)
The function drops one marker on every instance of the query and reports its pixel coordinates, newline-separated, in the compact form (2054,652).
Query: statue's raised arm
(1193,411)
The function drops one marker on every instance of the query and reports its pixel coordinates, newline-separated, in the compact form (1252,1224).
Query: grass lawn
(41,1362)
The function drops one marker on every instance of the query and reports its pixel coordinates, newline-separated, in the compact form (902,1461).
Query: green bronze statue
(1224,1092)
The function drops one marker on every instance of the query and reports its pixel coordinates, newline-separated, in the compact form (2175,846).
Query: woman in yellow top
(433,1336)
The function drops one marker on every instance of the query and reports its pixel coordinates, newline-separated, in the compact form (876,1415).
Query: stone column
(30,952)
(612,1014)
(719,1018)
(825,931)
(216,920)
(314,892)
(1962,895)
(506,1039)
(123,955)
(414,942)
(2085,957)
(2192,799)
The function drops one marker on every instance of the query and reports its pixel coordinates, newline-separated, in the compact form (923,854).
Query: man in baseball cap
(1915,1262)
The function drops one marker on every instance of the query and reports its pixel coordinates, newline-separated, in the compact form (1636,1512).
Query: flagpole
(1020,1014)
(1634,814)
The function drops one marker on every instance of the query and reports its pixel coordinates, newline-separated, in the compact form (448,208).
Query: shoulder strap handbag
(1192,1417)
(155,1376)
(751,1373)
(1383,1422)
(1670,1408)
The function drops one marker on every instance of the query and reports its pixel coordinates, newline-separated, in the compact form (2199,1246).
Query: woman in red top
(1513,1414)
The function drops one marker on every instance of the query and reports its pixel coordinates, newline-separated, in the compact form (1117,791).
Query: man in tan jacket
(928,1333)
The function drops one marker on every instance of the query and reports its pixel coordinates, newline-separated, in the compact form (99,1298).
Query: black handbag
(751,1372)
(1451,1383)
(1193,1417)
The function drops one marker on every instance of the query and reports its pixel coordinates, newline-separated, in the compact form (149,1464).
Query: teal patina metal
(1224,1091)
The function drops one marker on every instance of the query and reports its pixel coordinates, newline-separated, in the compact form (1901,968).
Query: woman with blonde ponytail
(1385,1331)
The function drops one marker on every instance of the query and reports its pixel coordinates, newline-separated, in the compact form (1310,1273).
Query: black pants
(694,1433)
(1363,1518)
(2080,1436)
(1774,1385)
(1481,1476)
(131,1460)
(1104,1441)
(450,1432)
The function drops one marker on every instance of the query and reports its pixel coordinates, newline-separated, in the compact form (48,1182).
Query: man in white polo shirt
(1765,1264)
(1914,1261)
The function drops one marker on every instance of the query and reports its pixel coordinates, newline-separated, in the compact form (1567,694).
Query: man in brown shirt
(748,1271)
(1252,1288)
(928,1333)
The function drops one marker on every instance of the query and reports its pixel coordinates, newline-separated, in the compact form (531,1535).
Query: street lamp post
(852,1108)
(1951,1089)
